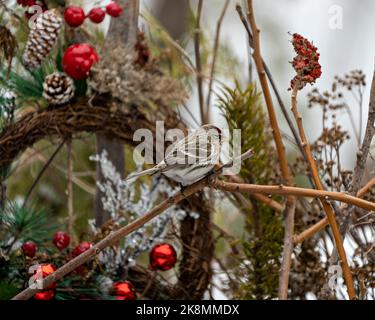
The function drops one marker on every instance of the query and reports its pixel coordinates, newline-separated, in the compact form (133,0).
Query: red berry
(81,248)
(61,240)
(74,16)
(44,295)
(29,248)
(113,9)
(123,290)
(162,257)
(96,15)
(78,60)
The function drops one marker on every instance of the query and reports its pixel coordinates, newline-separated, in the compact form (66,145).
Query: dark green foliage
(262,241)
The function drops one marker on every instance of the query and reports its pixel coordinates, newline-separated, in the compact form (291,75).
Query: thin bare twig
(283,190)
(69,190)
(290,206)
(326,206)
(198,62)
(215,50)
(46,165)
(320,225)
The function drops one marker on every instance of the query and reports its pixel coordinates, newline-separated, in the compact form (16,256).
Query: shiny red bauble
(44,295)
(81,248)
(162,257)
(61,240)
(74,16)
(113,9)
(123,290)
(78,60)
(29,249)
(96,15)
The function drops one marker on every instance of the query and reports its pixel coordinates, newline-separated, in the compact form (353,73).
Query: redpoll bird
(191,158)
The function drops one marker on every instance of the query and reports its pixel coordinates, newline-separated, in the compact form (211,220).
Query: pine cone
(58,88)
(42,38)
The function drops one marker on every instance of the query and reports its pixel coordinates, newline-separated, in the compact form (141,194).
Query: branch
(272,82)
(326,206)
(215,50)
(46,165)
(69,190)
(290,206)
(282,190)
(365,148)
(198,62)
(320,225)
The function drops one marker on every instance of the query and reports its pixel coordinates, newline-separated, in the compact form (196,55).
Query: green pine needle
(24,223)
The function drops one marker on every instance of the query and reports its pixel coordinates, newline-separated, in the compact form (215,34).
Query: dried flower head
(306,63)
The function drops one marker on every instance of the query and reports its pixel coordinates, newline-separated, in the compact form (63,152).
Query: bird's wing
(195,148)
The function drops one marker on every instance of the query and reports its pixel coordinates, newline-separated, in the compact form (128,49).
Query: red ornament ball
(29,249)
(96,15)
(113,9)
(44,295)
(61,240)
(74,16)
(163,257)
(78,60)
(81,248)
(124,290)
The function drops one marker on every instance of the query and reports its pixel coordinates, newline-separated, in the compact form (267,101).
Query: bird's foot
(182,189)
(211,177)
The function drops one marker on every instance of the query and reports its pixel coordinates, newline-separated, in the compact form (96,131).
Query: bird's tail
(136,175)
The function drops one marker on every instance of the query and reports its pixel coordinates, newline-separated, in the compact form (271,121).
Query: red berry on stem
(61,240)
(124,290)
(162,257)
(113,9)
(81,248)
(74,16)
(96,15)
(78,60)
(29,248)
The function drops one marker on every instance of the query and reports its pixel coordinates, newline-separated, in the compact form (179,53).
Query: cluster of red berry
(61,240)
(74,16)
(306,63)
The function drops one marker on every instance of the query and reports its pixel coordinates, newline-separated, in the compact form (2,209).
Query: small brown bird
(191,158)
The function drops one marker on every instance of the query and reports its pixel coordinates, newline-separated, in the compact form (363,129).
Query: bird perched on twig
(191,158)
